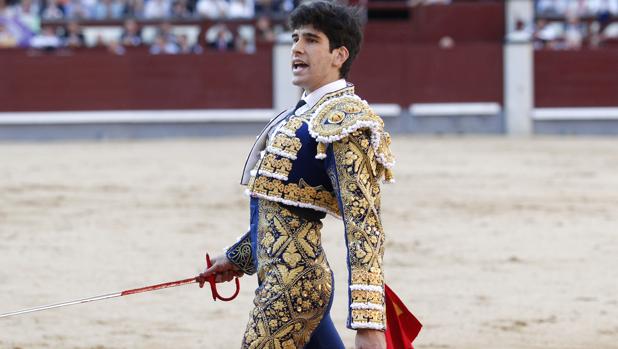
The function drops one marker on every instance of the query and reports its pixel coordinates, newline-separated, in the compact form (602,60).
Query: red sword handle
(213,285)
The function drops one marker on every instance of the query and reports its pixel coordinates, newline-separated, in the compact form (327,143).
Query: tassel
(321,151)
(388,176)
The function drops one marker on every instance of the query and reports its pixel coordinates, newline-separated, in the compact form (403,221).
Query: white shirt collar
(316,95)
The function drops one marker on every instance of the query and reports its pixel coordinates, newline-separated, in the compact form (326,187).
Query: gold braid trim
(337,117)
(241,254)
(295,282)
(359,191)
(301,195)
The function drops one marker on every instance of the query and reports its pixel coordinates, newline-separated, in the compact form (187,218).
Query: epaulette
(339,117)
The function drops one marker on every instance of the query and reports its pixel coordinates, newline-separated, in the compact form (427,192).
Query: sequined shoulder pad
(339,117)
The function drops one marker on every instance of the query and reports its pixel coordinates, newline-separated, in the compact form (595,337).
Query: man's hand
(370,339)
(222,268)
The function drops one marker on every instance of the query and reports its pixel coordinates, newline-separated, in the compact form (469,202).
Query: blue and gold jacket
(331,158)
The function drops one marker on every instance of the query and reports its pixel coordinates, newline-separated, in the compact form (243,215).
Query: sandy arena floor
(493,242)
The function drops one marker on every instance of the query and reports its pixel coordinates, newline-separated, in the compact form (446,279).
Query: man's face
(313,64)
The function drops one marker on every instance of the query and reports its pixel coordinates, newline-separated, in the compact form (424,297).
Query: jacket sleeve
(241,254)
(355,175)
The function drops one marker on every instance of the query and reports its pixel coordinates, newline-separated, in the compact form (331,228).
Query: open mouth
(298,66)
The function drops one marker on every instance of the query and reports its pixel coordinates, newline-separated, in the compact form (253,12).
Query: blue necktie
(298,105)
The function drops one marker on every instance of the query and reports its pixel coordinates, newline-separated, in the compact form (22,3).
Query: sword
(198,279)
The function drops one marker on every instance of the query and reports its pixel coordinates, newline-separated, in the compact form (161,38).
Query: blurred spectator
(430,2)
(212,9)
(157,9)
(27,12)
(264,29)
(289,5)
(521,33)
(220,38)
(594,35)
(166,30)
(131,34)
(245,39)
(186,48)
(52,10)
(7,39)
(268,7)
(573,34)
(32,12)
(611,32)
(5,10)
(88,6)
(133,9)
(100,41)
(162,46)
(242,45)
(108,9)
(548,35)
(559,8)
(46,39)
(114,47)
(569,34)
(73,35)
(608,6)
(551,7)
(14,28)
(180,10)
(78,9)
(241,9)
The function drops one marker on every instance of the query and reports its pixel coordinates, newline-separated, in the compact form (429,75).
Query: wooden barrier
(583,78)
(93,79)
(426,73)
(462,21)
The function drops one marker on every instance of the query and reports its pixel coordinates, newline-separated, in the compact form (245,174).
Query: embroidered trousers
(295,283)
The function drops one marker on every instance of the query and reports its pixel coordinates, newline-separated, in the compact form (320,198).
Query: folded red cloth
(401,326)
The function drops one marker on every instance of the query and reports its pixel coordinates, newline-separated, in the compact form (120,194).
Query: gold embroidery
(336,117)
(241,255)
(297,193)
(359,191)
(342,113)
(367,315)
(277,165)
(346,111)
(293,124)
(281,150)
(363,296)
(286,144)
(351,108)
(295,280)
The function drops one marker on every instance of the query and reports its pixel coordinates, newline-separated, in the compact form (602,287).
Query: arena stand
(429,68)
(575,58)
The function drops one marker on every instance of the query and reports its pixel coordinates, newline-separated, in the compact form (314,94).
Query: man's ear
(341,55)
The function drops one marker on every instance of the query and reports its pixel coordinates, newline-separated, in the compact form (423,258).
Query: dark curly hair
(341,24)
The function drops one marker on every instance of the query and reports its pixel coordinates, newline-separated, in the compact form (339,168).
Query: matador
(327,155)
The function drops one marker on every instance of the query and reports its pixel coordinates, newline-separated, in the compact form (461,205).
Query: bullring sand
(492,242)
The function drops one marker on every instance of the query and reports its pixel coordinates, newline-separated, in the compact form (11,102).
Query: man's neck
(313,97)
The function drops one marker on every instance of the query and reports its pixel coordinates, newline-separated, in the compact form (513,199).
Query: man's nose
(297,47)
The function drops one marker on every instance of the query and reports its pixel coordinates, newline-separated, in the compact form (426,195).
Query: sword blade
(102,297)
(63,304)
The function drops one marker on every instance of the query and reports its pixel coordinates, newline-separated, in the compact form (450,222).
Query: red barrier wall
(468,21)
(463,22)
(401,61)
(96,80)
(405,74)
(584,78)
